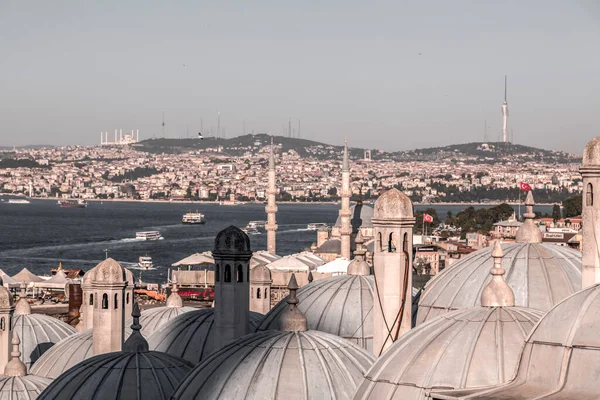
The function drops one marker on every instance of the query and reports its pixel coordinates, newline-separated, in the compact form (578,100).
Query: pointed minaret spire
(174,299)
(345,213)
(15,366)
(292,319)
(271,208)
(528,232)
(136,342)
(497,293)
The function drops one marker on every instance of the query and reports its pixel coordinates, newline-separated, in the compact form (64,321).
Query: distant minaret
(163,124)
(271,207)
(345,213)
(504,115)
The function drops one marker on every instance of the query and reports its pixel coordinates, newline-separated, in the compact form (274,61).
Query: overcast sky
(388,74)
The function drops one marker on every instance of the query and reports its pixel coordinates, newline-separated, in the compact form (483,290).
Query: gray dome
(153,319)
(66,353)
(191,335)
(540,275)
(38,333)
(467,348)
(560,358)
(332,246)
(279,365)
(232,240)
(120,375)
(26,387)
(360,217)
(340,305)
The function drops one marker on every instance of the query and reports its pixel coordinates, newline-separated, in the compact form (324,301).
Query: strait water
(39,235)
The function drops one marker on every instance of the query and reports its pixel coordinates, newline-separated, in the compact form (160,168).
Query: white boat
(18,201)
(257,224)
(251,231)
(145,262)
(315,226)
(193,218)
(148,235)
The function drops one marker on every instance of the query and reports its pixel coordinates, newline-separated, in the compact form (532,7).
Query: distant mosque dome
(341,305)
(134,373)
(37,332)
(361,215)
(191,335)
(66,353)
(541,275)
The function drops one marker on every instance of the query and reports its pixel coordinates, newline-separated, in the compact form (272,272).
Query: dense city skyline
(387,76)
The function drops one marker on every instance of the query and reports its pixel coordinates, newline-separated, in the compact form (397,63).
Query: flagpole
(519,202)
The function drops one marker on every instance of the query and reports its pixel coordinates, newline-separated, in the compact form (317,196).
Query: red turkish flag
(524,186)
(427,218)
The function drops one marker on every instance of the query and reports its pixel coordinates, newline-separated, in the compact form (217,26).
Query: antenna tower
(163,124)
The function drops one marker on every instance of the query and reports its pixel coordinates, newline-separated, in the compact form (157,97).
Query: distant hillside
(474,152)
(29,146)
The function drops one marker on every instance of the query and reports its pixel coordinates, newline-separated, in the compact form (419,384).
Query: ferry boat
(80,203)
(257,224)
(315,226)
(251,231)
(148,235)
(145,262)
(193,218)
(18,201)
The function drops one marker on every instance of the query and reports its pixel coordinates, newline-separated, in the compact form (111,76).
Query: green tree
(572,206)
(556,212)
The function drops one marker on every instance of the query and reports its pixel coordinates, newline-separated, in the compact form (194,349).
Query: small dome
(153,319)
(6,298)
(120,375)
(26,387)
(358,266)
(360,217)
(393,204)
(38,333)
(591,153)
(109,271)
(279,365)
(560,358)
(232,240)
(540,275)
(260,274)
(191,335)
(331,246)
(341,305)
(66,353)
(468,348)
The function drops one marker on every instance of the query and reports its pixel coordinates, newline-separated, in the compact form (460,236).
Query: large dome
(279,365)
(475,347)
(38,333)
(26,387)
(153,319)
(191,335)
(541,275)
(340,305)
(561,357)
(66,353)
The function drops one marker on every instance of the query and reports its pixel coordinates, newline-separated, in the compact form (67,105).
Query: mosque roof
(15,383)
(66,353)
(330,246)
(153,319)
(337,266)
(26,276)
(279,365)
(191,335)
(303,261)
(561,355)
(134,373)
(541,275)
(361,215)
(340,305)
(260,273)
(38,333)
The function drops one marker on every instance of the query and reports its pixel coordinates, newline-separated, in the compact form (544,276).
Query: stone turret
(271,208)
(345,213)
(7,309)
(590,172)
(260,289)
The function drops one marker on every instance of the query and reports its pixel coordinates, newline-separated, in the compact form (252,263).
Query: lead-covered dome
(154,318)
(340,305)
(393,204)
(66,353)
(360,216)
(591,153)
(540,275)
(279,365)
(468,348)
(191,335)
(15,383)
(232,240)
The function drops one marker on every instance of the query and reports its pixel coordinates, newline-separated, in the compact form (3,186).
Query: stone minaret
(108,283)
(232,255)
(271,207)
(345,213)
(393,223)
(260,289)
(7,308)
(590,172)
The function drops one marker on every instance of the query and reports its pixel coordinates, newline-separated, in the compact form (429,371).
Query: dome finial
(310,277)
(15,366)
(292,319)
(136,342)
(528,232)
(22,307)
(174,300)
(497,293)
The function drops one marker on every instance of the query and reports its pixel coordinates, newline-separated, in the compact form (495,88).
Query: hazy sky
(388,74)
